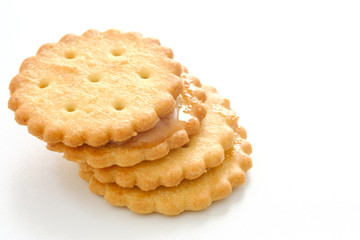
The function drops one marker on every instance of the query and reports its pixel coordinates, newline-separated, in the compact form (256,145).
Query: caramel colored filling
(187,108)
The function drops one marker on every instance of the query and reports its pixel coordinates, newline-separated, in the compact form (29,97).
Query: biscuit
(95,88)
(205,150)
(192,195)
(170,132)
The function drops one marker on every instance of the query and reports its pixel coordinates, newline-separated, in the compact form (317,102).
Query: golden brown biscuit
(192,195)
(95,88)
(170,132)
(205,150)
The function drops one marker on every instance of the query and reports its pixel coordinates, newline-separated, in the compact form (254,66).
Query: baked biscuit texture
(192,195)
(205,150)
(171,132)
(96,87)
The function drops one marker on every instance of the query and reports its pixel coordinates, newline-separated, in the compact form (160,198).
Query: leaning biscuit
(205,150)
(192,195)
(171,132)
(95,88)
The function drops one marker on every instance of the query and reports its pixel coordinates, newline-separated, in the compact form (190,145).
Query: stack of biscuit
(146,134)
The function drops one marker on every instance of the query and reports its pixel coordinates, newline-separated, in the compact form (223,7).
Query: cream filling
(166,126)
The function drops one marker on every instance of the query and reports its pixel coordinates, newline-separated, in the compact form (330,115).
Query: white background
(291,70)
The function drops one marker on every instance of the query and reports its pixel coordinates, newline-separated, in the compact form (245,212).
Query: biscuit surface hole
(117,52)
(94,77)
(70,107)
(43,83)
(144,74)
(119,105)
(70,54)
